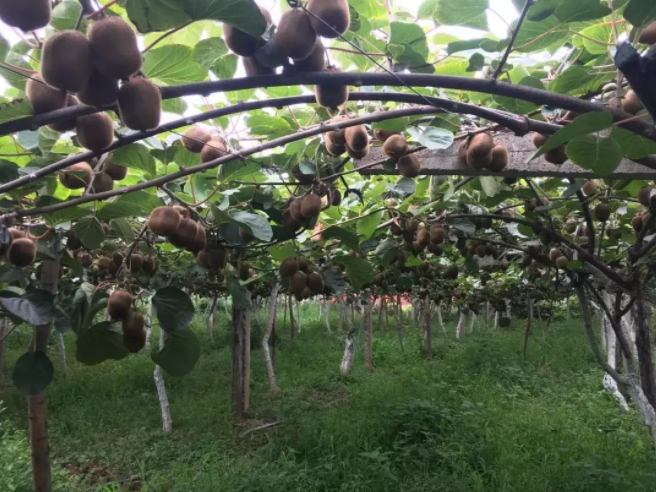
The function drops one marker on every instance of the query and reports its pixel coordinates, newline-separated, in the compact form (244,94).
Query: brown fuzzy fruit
(411,226)
(134,262)
(119,305)
(310,206)
(648,35)
(423,238)
(217,258)
(643,195)
(76,176)
(336,198)
(499,159)
(200,241)
(66,125)
(134,343)
(315,282)
(95,131)
(298,282)
(556,156)
(27,15)
(243,43)
(117,259)
(140,104)
(631,103)
(185,235)
(409,166)
(479,151)
(295,35)
(554,254)
(395,147)
(330,95)
(42,97)
(361,154)
(383,135)
(288,267)
(100,91)
(183,211)
(103,263)
(316,62)
(195,138)
(164,221)
(201,259)
(22,252)
(295,211)
(333,148)
(330,18)
(539,140)
(213,149)
(437,234)
(570,225)
(101,183)
(561,262)
(304,264)
(66,61)
(253,68)
(289,222)
(133,324)
(636,223)
(602,212)
(115,49)
(357,138)
(481,251)
(114,171)
(244,270)
(589,188)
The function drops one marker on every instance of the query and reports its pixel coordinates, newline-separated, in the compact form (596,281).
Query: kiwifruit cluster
(300,211)
(555,156)
(303,282)
(329,18)
(316,62)
(253,67)
(213,258)
(76,176)
(119,308)
(395,146)
(27,15)
(648,35)
(356,141)
(195,138)
(480,152)
(215,148)
(176,224)
(81,175)
(557,257)
(416,238)
(21,248)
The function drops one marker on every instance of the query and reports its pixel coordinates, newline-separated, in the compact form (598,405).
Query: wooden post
(241,357)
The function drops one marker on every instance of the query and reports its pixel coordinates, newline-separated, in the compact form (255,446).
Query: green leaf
(208,51)
(578,81)
(33,373)
(403,187)
(403,33)
(90,232)
(583,125)
(65,16)
(581,10)
(347,238)
(394,125)
(242,14)
(184,158)
(517,106)
(366,226)
(156,15)
(476,62)
(270,126)
(633,146)
(8,171)
(640,12)
(35,307)
(54,218)
(122,229)
(359,271)
(176,106)
(13,110)
(47,139)
(225,67)
(537,36)
(240,295)
(282,251)
(469,13)
(135,156)
(173,64)
(387,251)
(432,137)
(258,225)
(180,353)
(601,155)
(489,185)
(174,308)
(99,343)
(595,39)
(134,204)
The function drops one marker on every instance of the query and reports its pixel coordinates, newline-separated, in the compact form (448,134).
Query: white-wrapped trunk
(349,345)
(438,308)
(472,320)
(5,326)
(368,336)
(460,329)
(161,389)
(326,313)
(211,319)
(298,320)
(428,328)
(62,351)
(149,325)
(611,346)
(496,319)
(273,311)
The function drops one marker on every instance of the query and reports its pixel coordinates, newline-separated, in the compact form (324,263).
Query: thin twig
(515,32)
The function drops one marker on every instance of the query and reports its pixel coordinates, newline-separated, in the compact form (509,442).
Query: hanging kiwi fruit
(556,156)
(66,125)
(631,103)
(114,46)
(14,234)
(295,211)
(185,234)
(27,15)
(288,267)
(253,68)
(289,222)
(647,36)
(310,206)
(315,283)
(115,171)
(357,154)
(644,194)
(437,234)
(101,183)
(499,158)
(409,166)
(213,149)
(22,252)
(357,138)
(298,282)
(134,343)
(295,35)
(383,135)
(602,212)
(66,62)
(100,91)
(330,95)
(95,131)
(244,270)
(76,176)
(195,138)
(479,151)
(539,140)
(395,147)
(243,43)
(333,148)
(42,97)
(200,241)
(164,221)
(133,324)
(119,305)
(316,62)
(140,104)
(217,258)
(103,263)
(330,18)
(134,262)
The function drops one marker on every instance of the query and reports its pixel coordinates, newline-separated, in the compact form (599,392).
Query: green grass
(476,418)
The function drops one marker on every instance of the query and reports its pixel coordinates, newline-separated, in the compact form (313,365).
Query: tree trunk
(472,320)
(415,312)
(61,349)
(349,346)
(460,329)
(149,325)
(569,314)
(241,357)
(611,347)
(211,319)
(37,407)
(508,313)
(527,333)
(291,316)
(496,319)
(327,315)
(158,376)
(368,336)
(298,317)
(398,311)
(5,326)
(439,319)
(273,311)
(645,350)
(428,329)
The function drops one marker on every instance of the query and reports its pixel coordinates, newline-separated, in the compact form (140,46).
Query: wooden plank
(446,162)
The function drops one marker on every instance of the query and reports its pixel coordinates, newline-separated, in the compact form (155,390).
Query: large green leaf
(90,232)
(54,218)
(536,36)
(359,271)
(469,13)
(65,16)
(99,343)
(581,10)
(270,126)
(173,64)
(432,137)
(578,81)
(405,33)
(13,110)
(258,225)
(35,307)
(208,51)
(174,308)
(601,155)
(366,226)
(347,238)
(243,14)
(32,373)
(633,146)
(135,156)
(180,353)
(132,205)
(240,295)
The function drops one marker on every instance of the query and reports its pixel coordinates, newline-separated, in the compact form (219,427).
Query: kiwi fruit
(499,158)
(140,104)
(27,15)
(437,234)
(185,234)
(631,103)
(647,36)
(315,282)
(200,241)
(361,154)
(244,270)
(295,211)
(100,91)
(436,249)
(411,225)
(114,171)
(133,324)
(602,212)
(310,206)
(114,46)
(570,225)
(395,146)
(66,125)
(201,259)
(643,195)
(333,148)
(164,221)
(22,252)
(480,147)
(530,205)
(357,138)
(289,222)
(101,183)
(195,138)
(104,263)
(423,238)
(253,67)
(134,343)
(556,156)
(331,95)
(316,62)
(119,305)
(76,176)
(288,267)
(409,166)
(589,188)
(338,136)
(66,61)
(295,35)
(554,254)
(117,259)
(298,281)
(330,18)
(526,260)
(243,43)
(481,251)
(336,198)
(134,262)
(95,131)
(539,140)
(451,272)
(217,258)
(213,149)
(383,135)
(561,262)
(42,97)
(304,264)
